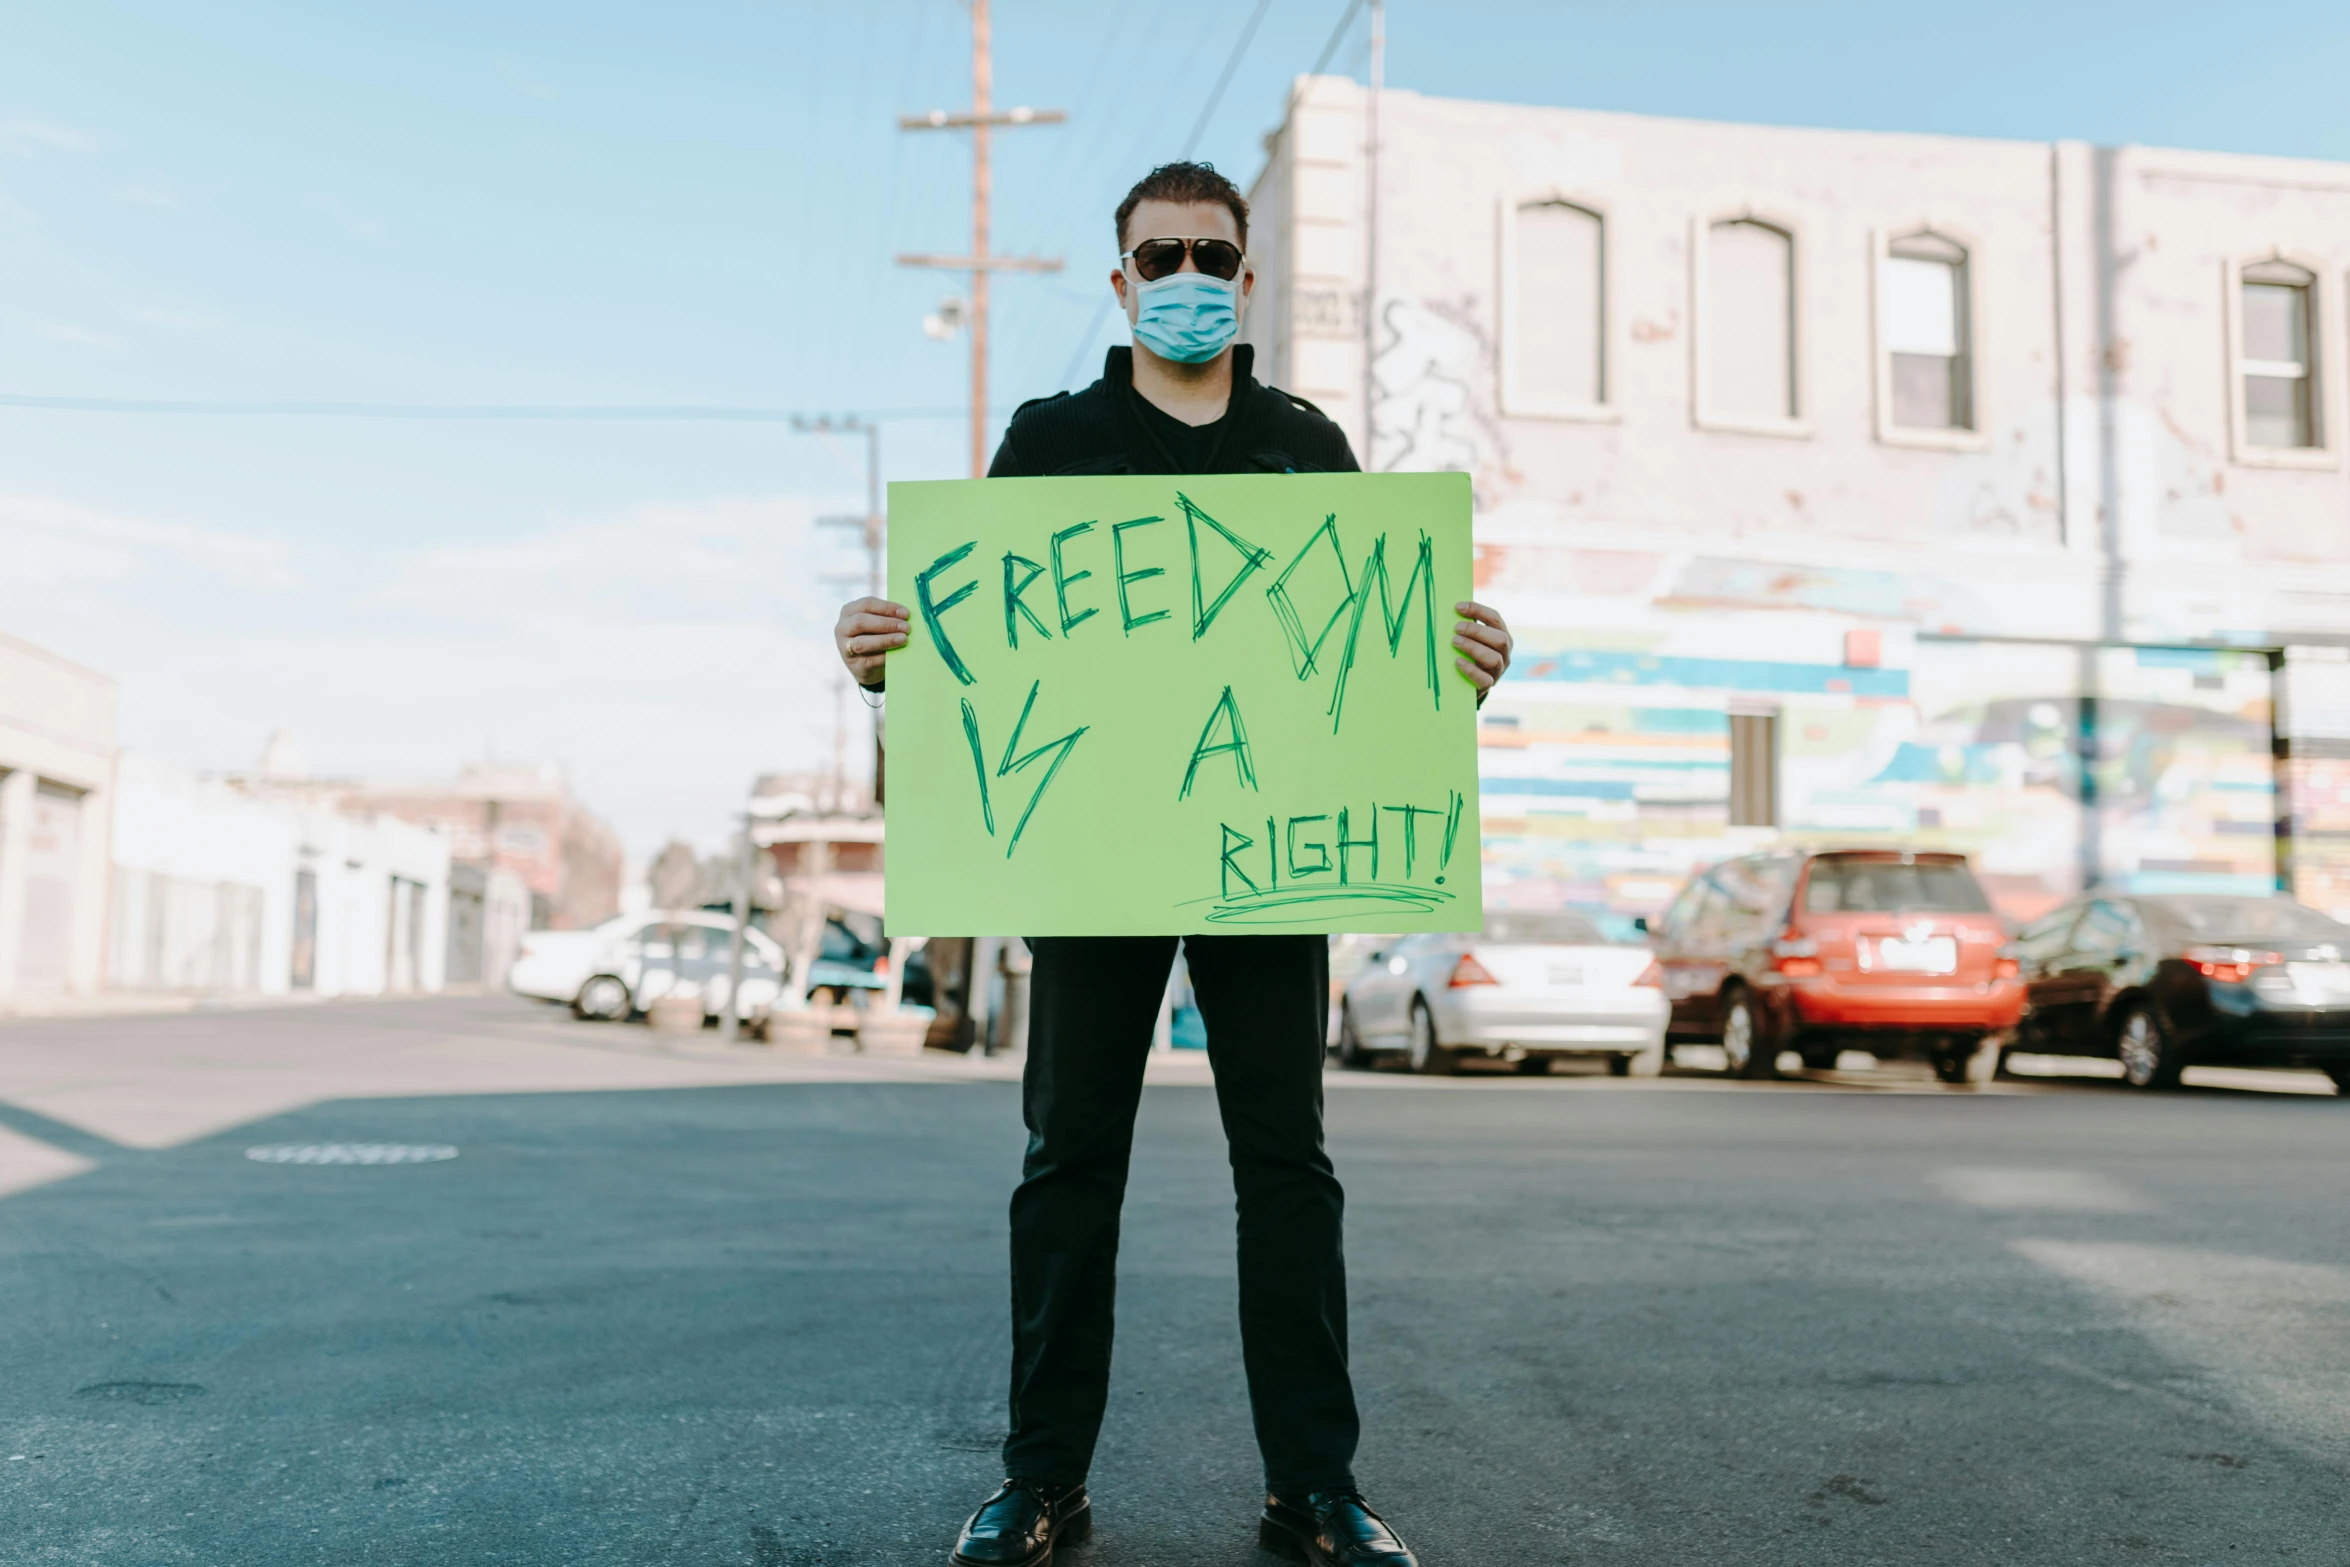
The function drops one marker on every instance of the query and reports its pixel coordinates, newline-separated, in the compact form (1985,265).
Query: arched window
(1749,322)
(2278,360)
(1923,323)
(1557,309)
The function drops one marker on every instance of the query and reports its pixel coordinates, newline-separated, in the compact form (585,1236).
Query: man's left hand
(1483,643)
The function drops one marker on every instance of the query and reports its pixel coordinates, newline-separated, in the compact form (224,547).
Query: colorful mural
(1606,761)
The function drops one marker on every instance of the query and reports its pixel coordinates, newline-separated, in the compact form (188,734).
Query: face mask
(1188,317)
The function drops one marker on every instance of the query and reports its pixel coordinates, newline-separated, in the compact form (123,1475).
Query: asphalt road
(1594,1323)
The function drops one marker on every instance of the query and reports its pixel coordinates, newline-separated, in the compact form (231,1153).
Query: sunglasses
(1157,258)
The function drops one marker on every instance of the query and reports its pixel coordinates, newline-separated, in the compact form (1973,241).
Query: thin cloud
(176,320)
(351,220)
(153,196)
(665,655)
(727,560)
(80,336)
(24,136)
(49,542)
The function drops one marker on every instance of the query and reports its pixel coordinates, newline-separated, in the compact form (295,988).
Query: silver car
(1531,987)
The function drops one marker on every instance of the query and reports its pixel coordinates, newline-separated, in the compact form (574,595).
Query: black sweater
(1100,431)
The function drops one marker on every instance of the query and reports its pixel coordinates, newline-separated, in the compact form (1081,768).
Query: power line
(644,413)
(1336,33)
(1199,128)
(1216,94)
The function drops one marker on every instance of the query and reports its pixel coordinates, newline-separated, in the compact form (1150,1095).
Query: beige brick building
(1905,488)
(57,740)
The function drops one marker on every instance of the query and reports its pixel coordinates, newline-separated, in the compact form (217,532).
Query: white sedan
(1530,987)
(624,965)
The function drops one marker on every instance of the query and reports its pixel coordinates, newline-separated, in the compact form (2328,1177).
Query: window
(1926,330)
(1683,912)
(1747,897)
(2277,360)
(1555,301)
(2042,943)
(1553,927)
(2105,932)
(1869,884)
(1748,322)
(1754,770)
(2228,920)
(1707,916)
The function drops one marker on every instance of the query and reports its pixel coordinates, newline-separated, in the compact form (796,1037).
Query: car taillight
(1468,971)
(1651,977)
(2229,965)
(1795,956)
(2006,965)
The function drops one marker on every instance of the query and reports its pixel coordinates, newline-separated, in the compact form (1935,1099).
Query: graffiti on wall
(1432,408)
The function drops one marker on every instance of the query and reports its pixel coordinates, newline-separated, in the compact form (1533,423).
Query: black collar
(1118,377)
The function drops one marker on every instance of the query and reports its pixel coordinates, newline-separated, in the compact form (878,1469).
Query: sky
(437,206)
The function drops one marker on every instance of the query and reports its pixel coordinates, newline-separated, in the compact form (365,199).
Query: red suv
(1869,949)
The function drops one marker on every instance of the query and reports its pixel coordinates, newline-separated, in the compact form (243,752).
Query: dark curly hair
(1185,183)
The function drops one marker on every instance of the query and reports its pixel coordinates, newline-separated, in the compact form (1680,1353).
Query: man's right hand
(868,629)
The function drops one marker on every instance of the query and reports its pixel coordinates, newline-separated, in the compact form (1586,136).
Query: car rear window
(1566,930)
(1841,885)
(2249,919)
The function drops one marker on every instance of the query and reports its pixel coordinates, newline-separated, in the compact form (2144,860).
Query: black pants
(1094,1001)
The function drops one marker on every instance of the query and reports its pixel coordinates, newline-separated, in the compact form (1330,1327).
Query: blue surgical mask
(1188,317)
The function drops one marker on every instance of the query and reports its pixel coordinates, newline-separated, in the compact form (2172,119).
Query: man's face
(1176,220)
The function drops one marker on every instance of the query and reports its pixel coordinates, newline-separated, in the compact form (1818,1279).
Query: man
(1181,400)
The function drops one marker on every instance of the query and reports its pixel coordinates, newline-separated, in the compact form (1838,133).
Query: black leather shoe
(1331,1529)
(1023,1523)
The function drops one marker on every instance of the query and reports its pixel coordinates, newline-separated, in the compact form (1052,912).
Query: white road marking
(2036,1191)
(352,1153)
(2273,1337)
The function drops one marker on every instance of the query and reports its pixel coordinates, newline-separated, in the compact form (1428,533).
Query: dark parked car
(2163,982)
(1883,950)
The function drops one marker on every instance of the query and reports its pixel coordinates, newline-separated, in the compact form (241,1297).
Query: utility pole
(1371,235)
(981,262)
(872,527)
(745,894)
(873,530)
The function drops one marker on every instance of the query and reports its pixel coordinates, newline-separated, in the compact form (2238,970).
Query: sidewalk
(140,1003)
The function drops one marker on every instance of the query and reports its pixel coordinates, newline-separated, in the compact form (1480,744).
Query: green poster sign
(1157,706)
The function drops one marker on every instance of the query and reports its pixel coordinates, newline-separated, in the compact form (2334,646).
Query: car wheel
(604,999)
(2150,1057)
(2341,1076)
(1351,1053)
(1747,1049)
(1960,1061)
(1427,1056)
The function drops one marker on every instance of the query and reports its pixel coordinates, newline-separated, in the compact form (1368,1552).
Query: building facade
(216,891)
(521,820)
(1856,487)
(57,727)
